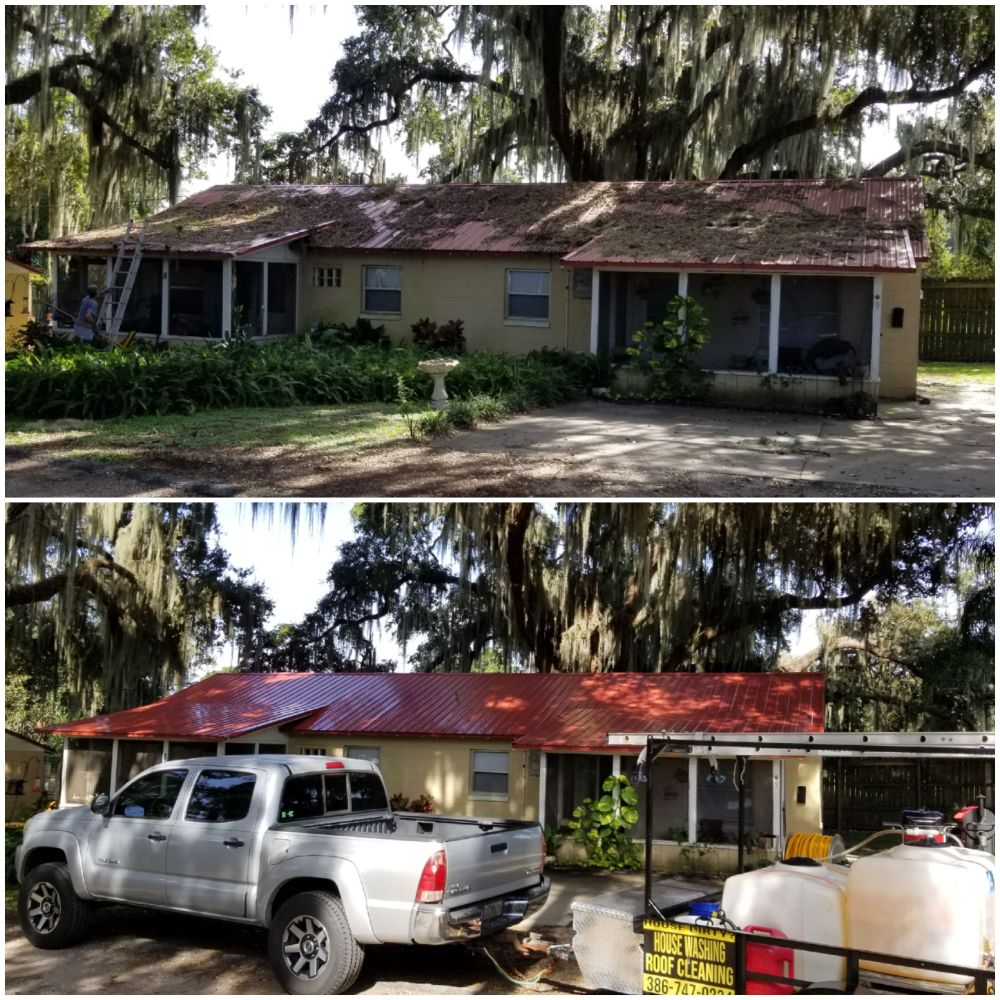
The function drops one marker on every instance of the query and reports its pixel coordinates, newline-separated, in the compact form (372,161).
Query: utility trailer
(723,951)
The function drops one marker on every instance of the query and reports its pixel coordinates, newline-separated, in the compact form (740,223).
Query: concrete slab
(945,448)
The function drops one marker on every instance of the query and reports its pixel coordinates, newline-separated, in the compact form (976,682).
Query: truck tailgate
(491,862)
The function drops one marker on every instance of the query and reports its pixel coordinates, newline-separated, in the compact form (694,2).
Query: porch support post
(682,283)
(54,293)
(692,799)
(876,327)
(560,785)
(65,769)
(263,297)
(775,320)
(114,767)
(165,298)
(595,308)
(616,765)
(777,803)
(542,776)
(227,298)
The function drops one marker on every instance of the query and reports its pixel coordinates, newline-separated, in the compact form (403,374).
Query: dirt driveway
(591,448)
(132,951)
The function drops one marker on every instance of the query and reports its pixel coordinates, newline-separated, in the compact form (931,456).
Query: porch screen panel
(183,749)
(195,298)
(718,801)
(738,309)
(281,298)
(825,325)
(134,756)
(143,312)
(88,769)
(670,800)
(75,274)
(247,292)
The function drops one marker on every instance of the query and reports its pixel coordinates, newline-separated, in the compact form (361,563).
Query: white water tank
(932,902)
(805,900)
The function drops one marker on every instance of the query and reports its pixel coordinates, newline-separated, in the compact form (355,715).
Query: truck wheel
(311,946)
(52,915)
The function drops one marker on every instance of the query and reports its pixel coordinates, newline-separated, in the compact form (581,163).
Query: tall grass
(82,383)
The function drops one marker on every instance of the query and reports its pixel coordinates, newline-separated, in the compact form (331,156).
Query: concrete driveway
(944,447)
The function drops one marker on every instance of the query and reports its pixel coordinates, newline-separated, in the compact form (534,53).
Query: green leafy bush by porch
(79,382)
(604,826)
(666,352)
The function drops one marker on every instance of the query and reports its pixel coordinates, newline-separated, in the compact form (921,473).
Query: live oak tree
(653,91)
(108,605)
(591,587)
(108,108)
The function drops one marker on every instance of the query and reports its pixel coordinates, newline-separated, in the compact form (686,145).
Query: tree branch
(868,97)
(984,158)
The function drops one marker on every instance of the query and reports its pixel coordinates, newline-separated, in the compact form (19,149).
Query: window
(583,283)
(152,796)
(383,290)
(272,748)
(490,774)
(374,754)
(528,296)
(326,277)
(366,792)
(236,749)
(184,750)
(309,795)
(221,796)
(313,751)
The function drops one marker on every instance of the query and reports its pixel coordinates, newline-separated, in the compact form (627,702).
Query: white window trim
(365,311)
(326,277)
(349,752)
(509,320)
(487,796)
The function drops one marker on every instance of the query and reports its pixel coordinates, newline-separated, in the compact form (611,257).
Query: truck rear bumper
(439,925)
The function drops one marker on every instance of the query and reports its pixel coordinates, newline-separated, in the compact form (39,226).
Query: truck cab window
(221,796)
(336,793)
(152,796)
(301,798)
(366,792)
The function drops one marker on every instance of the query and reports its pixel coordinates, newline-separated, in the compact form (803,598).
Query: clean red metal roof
(870,225)
(534,711)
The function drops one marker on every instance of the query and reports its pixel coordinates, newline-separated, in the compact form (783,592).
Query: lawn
(311,428)
(957,372)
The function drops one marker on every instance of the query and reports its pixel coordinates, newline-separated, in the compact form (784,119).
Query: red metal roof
(534,711)
(871,225)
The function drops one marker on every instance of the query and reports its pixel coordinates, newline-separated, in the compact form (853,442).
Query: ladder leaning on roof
(116,295)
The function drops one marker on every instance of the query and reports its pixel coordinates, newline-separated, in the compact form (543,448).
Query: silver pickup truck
(305,846)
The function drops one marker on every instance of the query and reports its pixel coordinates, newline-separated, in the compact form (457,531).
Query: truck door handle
(155,836)
(498,848)
(232,843)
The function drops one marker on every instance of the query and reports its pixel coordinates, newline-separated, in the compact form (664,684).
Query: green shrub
(666,351)
(86,384)
(446,339)
(603,827)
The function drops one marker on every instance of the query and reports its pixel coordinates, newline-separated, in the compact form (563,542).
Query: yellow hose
(810,845)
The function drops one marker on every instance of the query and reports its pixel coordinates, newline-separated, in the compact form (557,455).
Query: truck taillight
(430,888)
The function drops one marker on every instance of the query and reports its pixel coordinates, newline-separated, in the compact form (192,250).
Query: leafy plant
(421,804)
(666,352)
(692,857)
(554,839)
(448,338)
(603,826)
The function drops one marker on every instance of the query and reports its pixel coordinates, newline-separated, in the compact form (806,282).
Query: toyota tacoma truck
(304,846)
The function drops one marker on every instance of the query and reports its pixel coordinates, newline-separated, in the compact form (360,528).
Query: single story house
(812,287)
(498,745)
(24,774)
(18,307)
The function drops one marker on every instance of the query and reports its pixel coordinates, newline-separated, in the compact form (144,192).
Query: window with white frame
(490,774)
(374,754)
(313,751)
(527,296)
(383,290)
(326,277)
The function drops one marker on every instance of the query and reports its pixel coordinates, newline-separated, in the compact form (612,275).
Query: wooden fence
(863,794)
(957,321)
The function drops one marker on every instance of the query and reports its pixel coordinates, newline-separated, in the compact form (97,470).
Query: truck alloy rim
(305,947)
(44,907)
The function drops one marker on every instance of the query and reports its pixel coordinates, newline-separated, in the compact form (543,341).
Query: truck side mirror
(101,805)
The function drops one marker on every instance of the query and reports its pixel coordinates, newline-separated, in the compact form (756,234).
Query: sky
(290,61)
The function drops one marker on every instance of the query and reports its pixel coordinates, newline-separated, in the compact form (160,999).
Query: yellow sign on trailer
(687,959)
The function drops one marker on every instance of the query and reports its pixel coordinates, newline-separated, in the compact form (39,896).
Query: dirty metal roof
(816,224)
(534,711)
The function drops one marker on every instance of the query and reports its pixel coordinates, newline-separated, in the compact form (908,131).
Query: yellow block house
(17,297)
(511,746)
(811,287)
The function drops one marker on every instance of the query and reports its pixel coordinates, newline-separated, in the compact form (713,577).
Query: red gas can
(771,959)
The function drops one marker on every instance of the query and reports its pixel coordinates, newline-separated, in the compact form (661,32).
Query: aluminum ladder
(123,273)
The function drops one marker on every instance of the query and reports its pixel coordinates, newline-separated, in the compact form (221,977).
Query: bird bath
(437,368)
